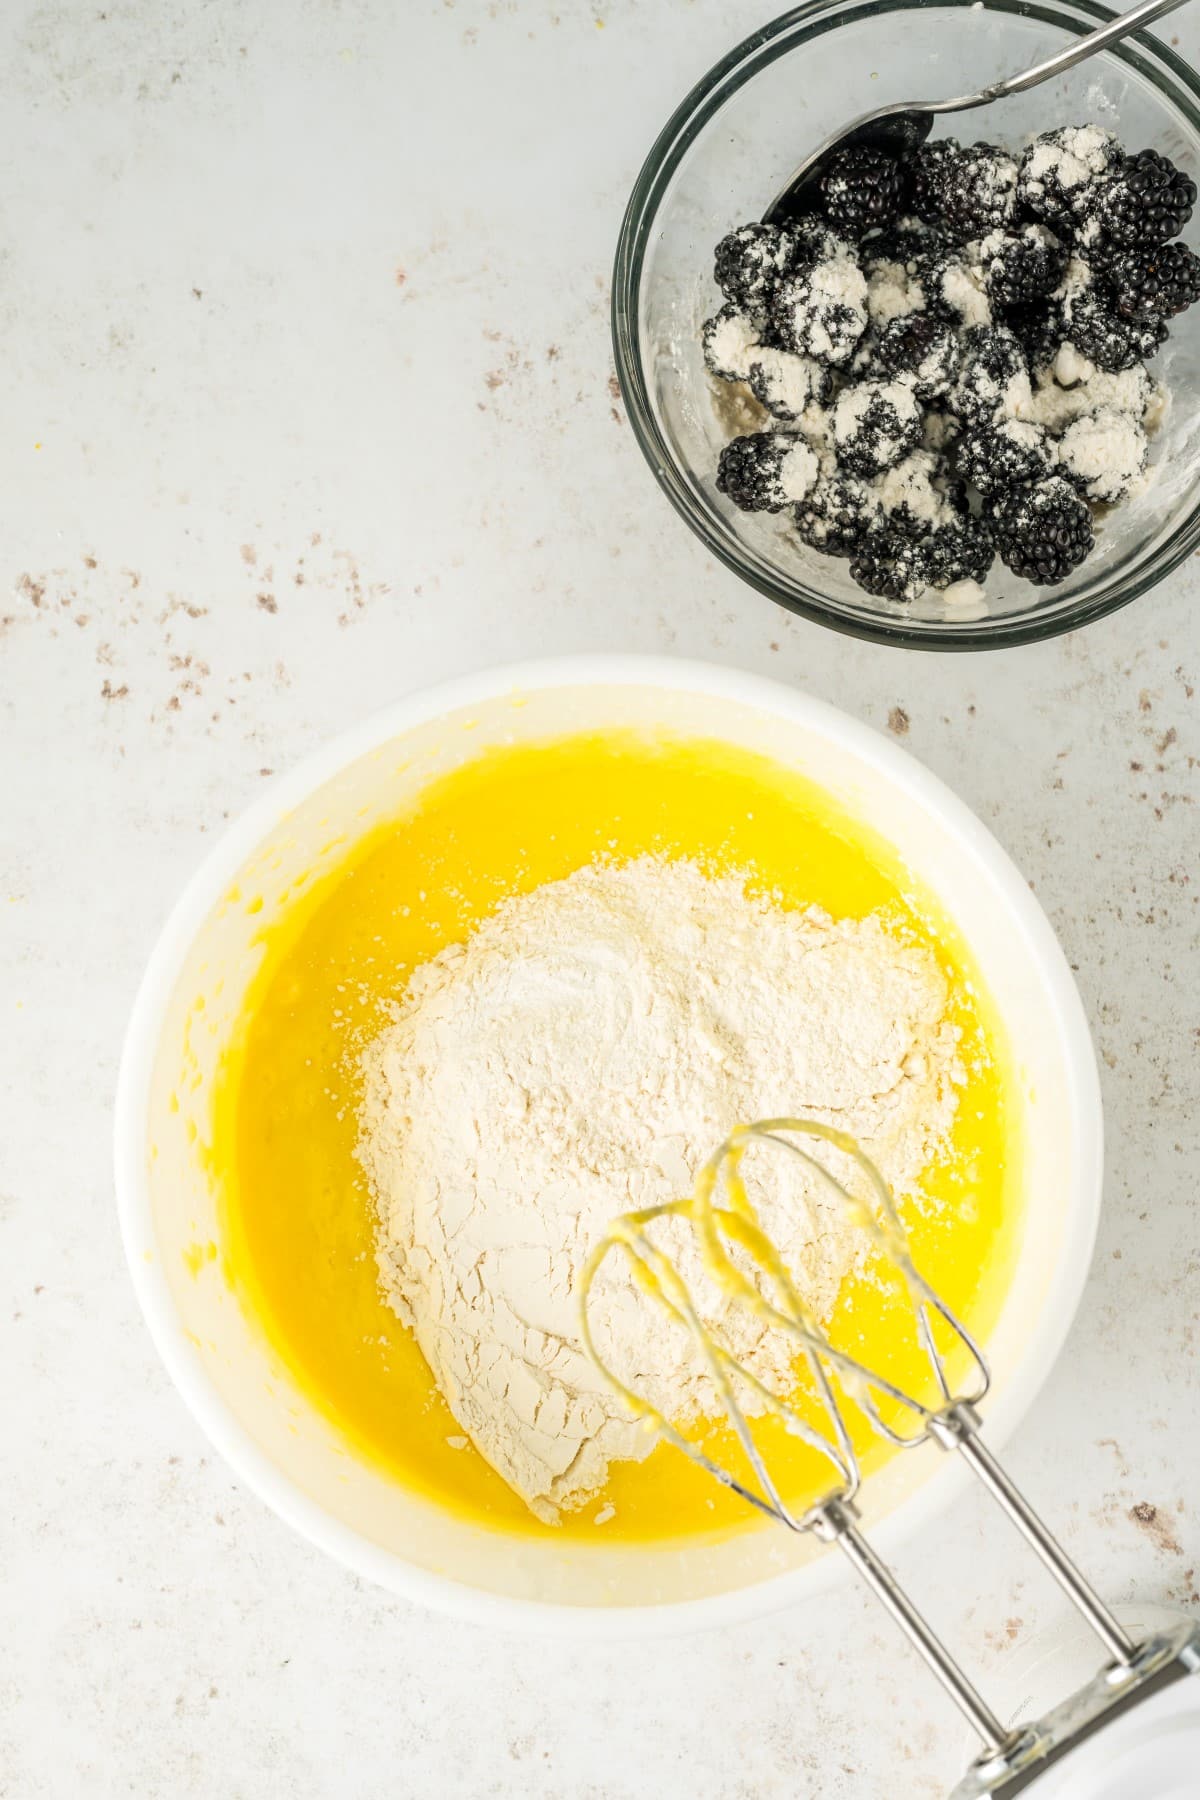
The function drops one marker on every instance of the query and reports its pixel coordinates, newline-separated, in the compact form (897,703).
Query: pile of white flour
(584,1052)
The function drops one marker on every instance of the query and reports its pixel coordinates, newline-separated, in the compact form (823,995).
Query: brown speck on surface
(774,645)
(1109,1443)
(89,562)
(267,602)
(109,692)
(266,771)
(898,721)
(401,276)
(34,591)
(104,655)
(614,387)
(552,353)
(1166,740)
(1157,1528)
(173,703)
(1137,767)
(249,554)
(176,605)
(1144,702)
(495,379)
(315,538)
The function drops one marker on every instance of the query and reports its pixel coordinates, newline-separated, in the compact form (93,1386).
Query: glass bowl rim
(1152,59)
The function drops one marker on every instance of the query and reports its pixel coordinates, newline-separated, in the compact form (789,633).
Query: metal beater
(1133,1731)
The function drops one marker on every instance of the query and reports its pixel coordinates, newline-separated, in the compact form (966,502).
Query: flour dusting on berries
(950,348)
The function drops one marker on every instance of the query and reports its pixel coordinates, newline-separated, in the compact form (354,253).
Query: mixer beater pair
(1133,1731)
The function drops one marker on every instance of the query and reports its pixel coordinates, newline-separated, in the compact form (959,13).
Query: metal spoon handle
(1083,47)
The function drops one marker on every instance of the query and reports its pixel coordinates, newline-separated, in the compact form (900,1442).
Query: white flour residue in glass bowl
(584,1052)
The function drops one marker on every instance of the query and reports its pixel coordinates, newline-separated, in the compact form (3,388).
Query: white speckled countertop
(309,400)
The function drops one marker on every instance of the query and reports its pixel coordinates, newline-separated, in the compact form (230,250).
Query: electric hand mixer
(1133,1731)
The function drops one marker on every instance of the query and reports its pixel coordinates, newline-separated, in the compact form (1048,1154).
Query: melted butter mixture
(297,1222)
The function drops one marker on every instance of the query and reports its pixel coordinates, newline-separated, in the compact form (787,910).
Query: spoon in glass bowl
(902,127)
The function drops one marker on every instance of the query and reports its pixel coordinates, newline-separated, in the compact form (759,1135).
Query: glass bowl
(728,149)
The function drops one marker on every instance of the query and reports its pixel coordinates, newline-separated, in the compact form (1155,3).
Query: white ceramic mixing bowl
(266,1429)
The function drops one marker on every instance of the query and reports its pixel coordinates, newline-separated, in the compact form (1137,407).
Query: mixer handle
(834,1521)
(957,1428)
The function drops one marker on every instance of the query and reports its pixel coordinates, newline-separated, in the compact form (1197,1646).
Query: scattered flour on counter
(582,1053)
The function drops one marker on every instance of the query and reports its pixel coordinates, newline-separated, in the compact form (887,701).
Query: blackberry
(1108,340)
(1149,201)
(1043,532)
(811,241)
(953,287)
(997,458)
(929,171)
(979,190)
(1039,329)
(940,428)
(1021,266)
(749,472)
(875,424)
(766,471)
(1062,172)
(888,565)
(1103,453)
(993,376)
(923,347)
(861,190)
(749,262)
(917,496)
(865,365)
(822,311)
(903,270)
(837,515)
(962,551)
(729,339)
(787,384)
(1154,284)
(906,248)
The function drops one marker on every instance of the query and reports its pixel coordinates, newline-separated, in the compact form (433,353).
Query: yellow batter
(296,1217)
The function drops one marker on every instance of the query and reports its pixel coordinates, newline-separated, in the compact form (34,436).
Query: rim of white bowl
(131,1124)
